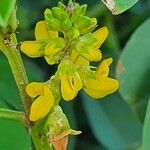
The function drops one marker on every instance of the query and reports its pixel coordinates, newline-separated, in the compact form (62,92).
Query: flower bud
(66,24)
(57,121)
(59,128)
(59,13)
(83,9)
(61,5)
(73,33)
(90,28)
(54,24)
(83,22)
(80,10)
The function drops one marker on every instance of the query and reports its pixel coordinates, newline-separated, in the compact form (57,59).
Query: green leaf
(3,103)
(13,136)
(9,97)
(146,129)
(133,69)
(6,8)
(9,93)
(113,123)
(119,6)
(8,88)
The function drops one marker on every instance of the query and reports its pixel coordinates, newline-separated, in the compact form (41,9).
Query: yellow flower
(100,35)
(88,45)
(43,102)
(43,32)
(92,54)
(78,60)
(71,82)
(70,85)
(47,44)
(101,85)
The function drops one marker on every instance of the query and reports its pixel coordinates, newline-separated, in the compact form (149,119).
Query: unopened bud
(90,28)
(54,24)
(83,22)
(59,13)
(73,33)
(66,24)
(61,5)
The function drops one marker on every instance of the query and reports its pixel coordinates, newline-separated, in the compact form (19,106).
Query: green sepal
(58,125)
(57,121)
(40,136)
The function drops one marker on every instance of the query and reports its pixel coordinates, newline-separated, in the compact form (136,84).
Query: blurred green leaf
(3,103)
(113,123)
(13,136)
(6,8)
(119,6)
(8,88)
(146,129)
(133,69)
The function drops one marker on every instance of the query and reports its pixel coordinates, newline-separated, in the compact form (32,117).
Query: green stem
(13,115)
(8,45)
(17,67)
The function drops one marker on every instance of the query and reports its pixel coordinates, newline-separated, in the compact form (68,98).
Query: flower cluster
(66,38)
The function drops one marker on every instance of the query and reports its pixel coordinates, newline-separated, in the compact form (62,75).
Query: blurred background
(107,124)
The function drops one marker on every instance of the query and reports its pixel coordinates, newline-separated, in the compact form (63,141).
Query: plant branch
(8,47)
(13,115)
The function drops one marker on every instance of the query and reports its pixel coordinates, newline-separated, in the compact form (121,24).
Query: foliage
(115,122)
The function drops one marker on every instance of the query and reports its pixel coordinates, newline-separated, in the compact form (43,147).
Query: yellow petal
(78,60)
(68,93)
(103,68)
(31,48)
(42,105)
(34,89)
(94,93)
(42,32)
(52,59)
(101,34)
(76,82)
(51,50)
(93,55)
(99,89)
